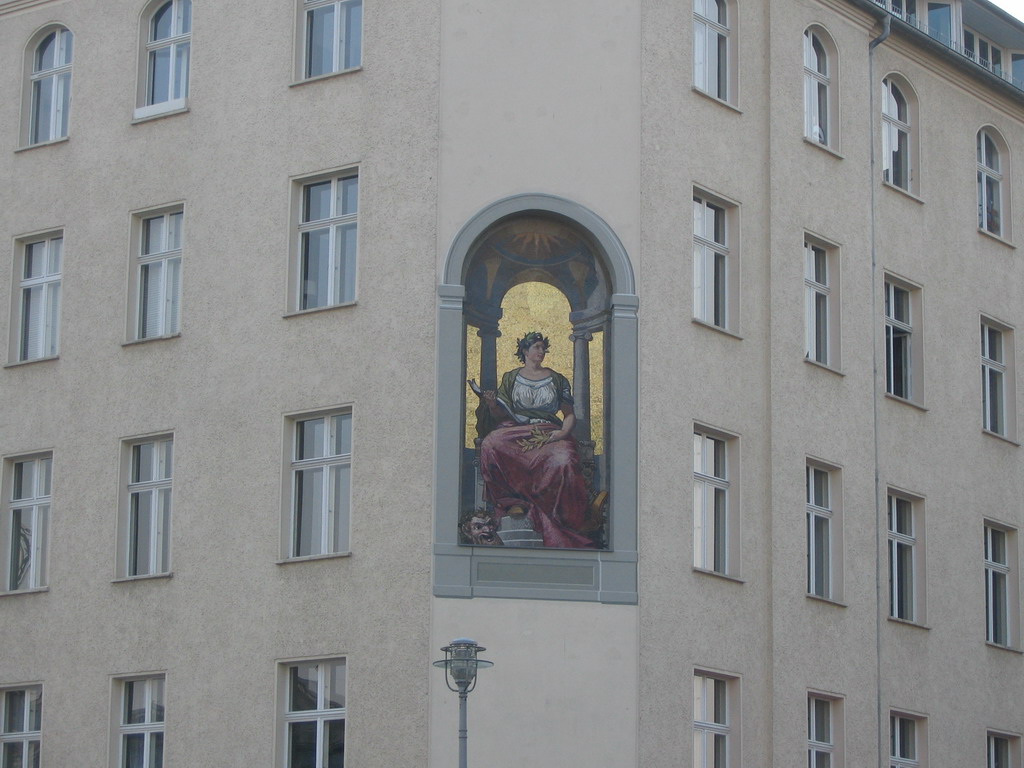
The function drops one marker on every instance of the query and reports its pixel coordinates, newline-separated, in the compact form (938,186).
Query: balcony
(986,37)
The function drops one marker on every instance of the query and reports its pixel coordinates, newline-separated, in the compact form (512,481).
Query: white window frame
(820,106)
(992,198)
(713,44)
(58,101)
(178,44)
(906,750)
(824,508)
(715,261)
(346,37)
(905,545)
(335,510)
(827,745)
(975,44)
(319,715)
(1002,614)
(28,736)
(35,333)
(1002,750)
(342,243)
(151,728)
(164,257)
(899,135)
(134,543)
(822,303)
(715,727)
(998,380)
(904,379)
(715,501)
(28,553)
(904,9)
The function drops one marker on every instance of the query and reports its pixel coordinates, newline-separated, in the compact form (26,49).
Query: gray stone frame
(608,576)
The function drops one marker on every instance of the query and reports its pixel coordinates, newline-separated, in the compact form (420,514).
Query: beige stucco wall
(563,689)
(459,105)
(218,626)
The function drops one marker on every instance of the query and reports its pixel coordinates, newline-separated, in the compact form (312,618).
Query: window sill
(147,340)
(908,623)
(33,591)
(19,363)
(314,310)
(827,600)
(715,99)
(325,76)
(997,436)
(911,403)
(719,575)
(308,558)
(999,647)
(143,577)
(824,148)
(713,327)
(50,143)
(997,238)
(156,111)
(824,367)
(912,195)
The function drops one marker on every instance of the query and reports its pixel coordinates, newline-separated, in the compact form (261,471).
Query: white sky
(1016,7)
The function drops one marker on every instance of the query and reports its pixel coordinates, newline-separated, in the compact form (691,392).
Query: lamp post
(460,664)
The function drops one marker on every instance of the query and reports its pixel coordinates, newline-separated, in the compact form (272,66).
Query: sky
(1016,7)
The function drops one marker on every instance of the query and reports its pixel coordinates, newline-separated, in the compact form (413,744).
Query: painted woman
(528,457)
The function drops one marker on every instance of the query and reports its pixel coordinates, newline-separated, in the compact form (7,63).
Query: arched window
(712,49)
(50,85)
(991,197)
(166,42)
(898,135)
(819,57)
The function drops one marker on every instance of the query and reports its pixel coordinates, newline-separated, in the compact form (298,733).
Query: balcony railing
(943,36)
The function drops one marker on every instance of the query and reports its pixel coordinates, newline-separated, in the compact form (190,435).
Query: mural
(534,460)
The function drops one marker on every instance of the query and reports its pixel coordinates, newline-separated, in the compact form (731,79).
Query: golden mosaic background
(538,307)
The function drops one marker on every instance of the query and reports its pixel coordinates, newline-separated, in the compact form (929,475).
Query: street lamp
(460,664)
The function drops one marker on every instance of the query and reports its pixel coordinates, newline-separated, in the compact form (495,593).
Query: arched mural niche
(526,481)
(536,262)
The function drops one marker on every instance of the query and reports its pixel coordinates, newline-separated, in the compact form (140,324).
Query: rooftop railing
(953,43)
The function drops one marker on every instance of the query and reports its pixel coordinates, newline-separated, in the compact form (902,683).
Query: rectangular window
(146,521)
(906,742)
(333,36)
(712,506)
(983,51)
(1003,750)
(821,289)
(1000,585)
(158,274)
(906,558)
(26,523)
(714,730)
(998,390)
(714,264)
(21,715)
(313,719)
(141,723)
(321,479)
(325,269)
(822,732)
(824,531)
(902,340)
(38,300)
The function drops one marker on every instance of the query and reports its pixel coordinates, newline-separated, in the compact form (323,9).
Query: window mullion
(339,41)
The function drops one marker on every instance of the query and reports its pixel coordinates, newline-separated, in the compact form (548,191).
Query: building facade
(254,253)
